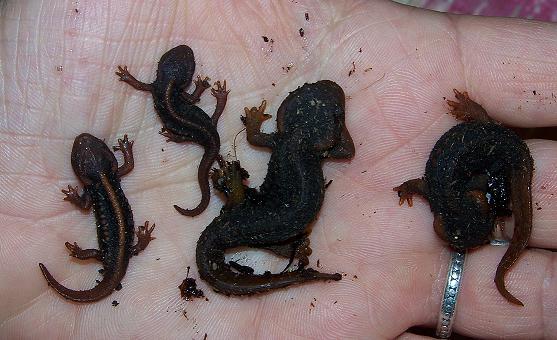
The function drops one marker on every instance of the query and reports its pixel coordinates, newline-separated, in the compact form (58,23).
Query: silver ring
(450,295)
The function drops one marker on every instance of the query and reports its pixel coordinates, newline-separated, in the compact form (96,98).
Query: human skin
(57,70)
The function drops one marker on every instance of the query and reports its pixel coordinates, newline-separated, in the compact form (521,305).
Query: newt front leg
(253,120)
(408,189)
(200,86)
(221,94)
(84,202)
(126,77)
(125,146)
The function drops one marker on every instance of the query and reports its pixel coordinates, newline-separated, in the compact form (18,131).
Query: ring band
(450,295)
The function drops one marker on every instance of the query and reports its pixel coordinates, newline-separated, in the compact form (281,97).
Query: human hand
(395,63)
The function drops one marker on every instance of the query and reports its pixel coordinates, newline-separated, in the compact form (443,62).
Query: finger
(509,68)
(411,336)
(482,312)
(544,194)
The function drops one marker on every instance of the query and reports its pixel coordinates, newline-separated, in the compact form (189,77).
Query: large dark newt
(182,120)
(310,128)
(474,171)
(97,168)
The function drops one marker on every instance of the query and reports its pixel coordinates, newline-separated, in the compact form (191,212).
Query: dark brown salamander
(310,128)
(474,171)
(97,168)
(182,120)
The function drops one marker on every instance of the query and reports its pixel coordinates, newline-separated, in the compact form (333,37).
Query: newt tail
(209,157)
(520,190)
(108,284)
(223,279)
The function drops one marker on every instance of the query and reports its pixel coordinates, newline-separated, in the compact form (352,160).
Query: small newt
(310,128)
(182,120)
(474,171)
(97,168)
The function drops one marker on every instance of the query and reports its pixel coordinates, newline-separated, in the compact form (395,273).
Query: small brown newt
(97,168)
(182,120)
(474,171)
(310,129)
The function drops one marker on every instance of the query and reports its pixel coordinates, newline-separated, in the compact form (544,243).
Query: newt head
(468,225)
(314,115)
(91,157)
(178,64)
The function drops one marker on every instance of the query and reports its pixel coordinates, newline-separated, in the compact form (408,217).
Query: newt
(474,171)
(182,120)
(310,129)
(97,168)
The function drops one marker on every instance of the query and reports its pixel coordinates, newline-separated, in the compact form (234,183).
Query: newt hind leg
(83,254)
(298,249)
(143,237)
(241,268)
(466,109)
(172,137)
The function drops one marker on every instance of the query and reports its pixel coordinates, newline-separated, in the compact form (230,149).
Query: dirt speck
(188,288)
(115,303)
(301,31)
(352,70)
(288,67)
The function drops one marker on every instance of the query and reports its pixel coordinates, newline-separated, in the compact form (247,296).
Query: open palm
(396,65)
